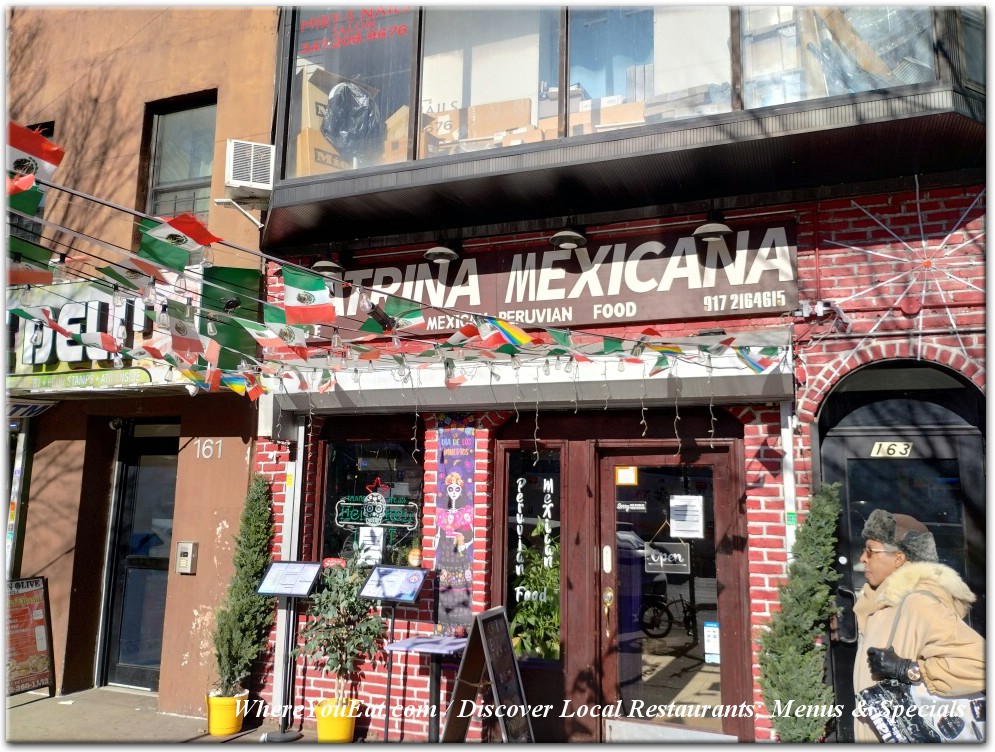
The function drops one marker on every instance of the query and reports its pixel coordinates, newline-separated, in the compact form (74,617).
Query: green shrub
(243,622)
(792,650)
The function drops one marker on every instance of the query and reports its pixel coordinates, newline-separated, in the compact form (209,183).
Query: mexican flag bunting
(462,335)
(306,297)
(46,313)
(30,153)
(405,313)
(326,382)
(276,319)
(662,363)
(171,242)
(262,334)
(132,273)
(253,389)
(185,339)
(301,381)
(99,340)
(23,195)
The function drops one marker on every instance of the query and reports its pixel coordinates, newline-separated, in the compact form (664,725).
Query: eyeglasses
(871,551)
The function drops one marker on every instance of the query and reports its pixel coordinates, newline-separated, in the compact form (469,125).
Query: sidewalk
(113,715)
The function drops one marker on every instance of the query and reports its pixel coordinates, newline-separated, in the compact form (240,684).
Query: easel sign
(489,646)
(29,637)
(290,579)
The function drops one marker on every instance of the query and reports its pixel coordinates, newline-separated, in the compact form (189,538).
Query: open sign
(672,558)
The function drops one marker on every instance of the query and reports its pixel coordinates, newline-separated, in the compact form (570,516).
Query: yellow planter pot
(225,714)
(336,721)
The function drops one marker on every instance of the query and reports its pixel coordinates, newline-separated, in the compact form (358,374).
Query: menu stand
(392,585)
(288,580)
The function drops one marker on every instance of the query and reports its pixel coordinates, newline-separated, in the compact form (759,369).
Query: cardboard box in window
(601,102)
(448,125)
(550,128)
(397,124)
(484,120)
(315,156)
(580,123)
(315,85)
(630,113)
(395,150)
(528,135)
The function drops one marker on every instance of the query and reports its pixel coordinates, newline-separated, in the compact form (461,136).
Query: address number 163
(891,449)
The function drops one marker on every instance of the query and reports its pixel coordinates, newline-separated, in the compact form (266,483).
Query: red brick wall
(847,251)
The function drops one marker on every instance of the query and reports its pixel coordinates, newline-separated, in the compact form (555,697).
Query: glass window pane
(794,54)
(351,92)
(533,597)
(489,79)
(185,146)
(630,66)
(353,468)
(973,21)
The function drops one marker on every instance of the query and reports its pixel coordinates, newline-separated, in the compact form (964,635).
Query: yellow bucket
(336,721)
(225,714)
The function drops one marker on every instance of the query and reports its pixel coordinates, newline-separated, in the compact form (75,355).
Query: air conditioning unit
(248,170)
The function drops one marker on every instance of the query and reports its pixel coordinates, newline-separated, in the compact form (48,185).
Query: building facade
(632,284)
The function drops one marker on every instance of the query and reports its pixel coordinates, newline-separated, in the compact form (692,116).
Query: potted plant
(243,621)
(341,631)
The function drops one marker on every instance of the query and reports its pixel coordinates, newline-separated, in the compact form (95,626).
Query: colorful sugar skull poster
(454,525)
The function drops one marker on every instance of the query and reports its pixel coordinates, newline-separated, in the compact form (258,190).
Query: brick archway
(832,373)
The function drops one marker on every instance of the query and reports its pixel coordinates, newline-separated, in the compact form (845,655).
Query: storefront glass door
(670,614)
(141,556)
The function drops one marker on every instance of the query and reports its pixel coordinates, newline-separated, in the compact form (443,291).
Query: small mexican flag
(23,195)
(278,320)
(185,339)
(30,153)
(171,242)
(306,298)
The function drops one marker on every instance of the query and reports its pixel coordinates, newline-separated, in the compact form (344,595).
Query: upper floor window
(630,66)
(973,43)
(794,54)
(491,77)
(351,90)
(183,152)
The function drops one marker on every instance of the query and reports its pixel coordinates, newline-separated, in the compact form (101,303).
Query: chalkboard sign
(29,637)
(490,646)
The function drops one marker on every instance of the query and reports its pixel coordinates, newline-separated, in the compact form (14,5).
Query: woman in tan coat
(932,643)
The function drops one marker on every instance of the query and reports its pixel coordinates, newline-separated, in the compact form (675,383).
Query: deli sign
(630,279)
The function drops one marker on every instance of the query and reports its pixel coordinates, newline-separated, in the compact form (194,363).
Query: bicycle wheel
(656,620)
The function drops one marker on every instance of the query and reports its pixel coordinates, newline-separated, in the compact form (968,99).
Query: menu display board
(29,637)
(290,579)
(394,584)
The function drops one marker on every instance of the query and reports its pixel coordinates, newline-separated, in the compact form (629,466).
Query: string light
(59,272)
(37,335)
(212,328)
(621,365)
(163,318)
(207,259)
(150,296)
(365,304)
(118,360)
(569,366)
(122,331)
(545,367)
(168,376)
(516,363)
(116,298)
(336,339)
(450,369)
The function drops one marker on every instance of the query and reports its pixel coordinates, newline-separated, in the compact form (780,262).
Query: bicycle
(656,618)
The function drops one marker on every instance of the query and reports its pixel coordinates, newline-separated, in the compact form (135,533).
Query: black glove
(884,662)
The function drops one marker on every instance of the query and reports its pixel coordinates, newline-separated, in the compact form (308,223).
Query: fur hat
(910,535)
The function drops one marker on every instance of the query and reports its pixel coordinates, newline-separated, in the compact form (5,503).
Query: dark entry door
(937,476)
(140,556)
